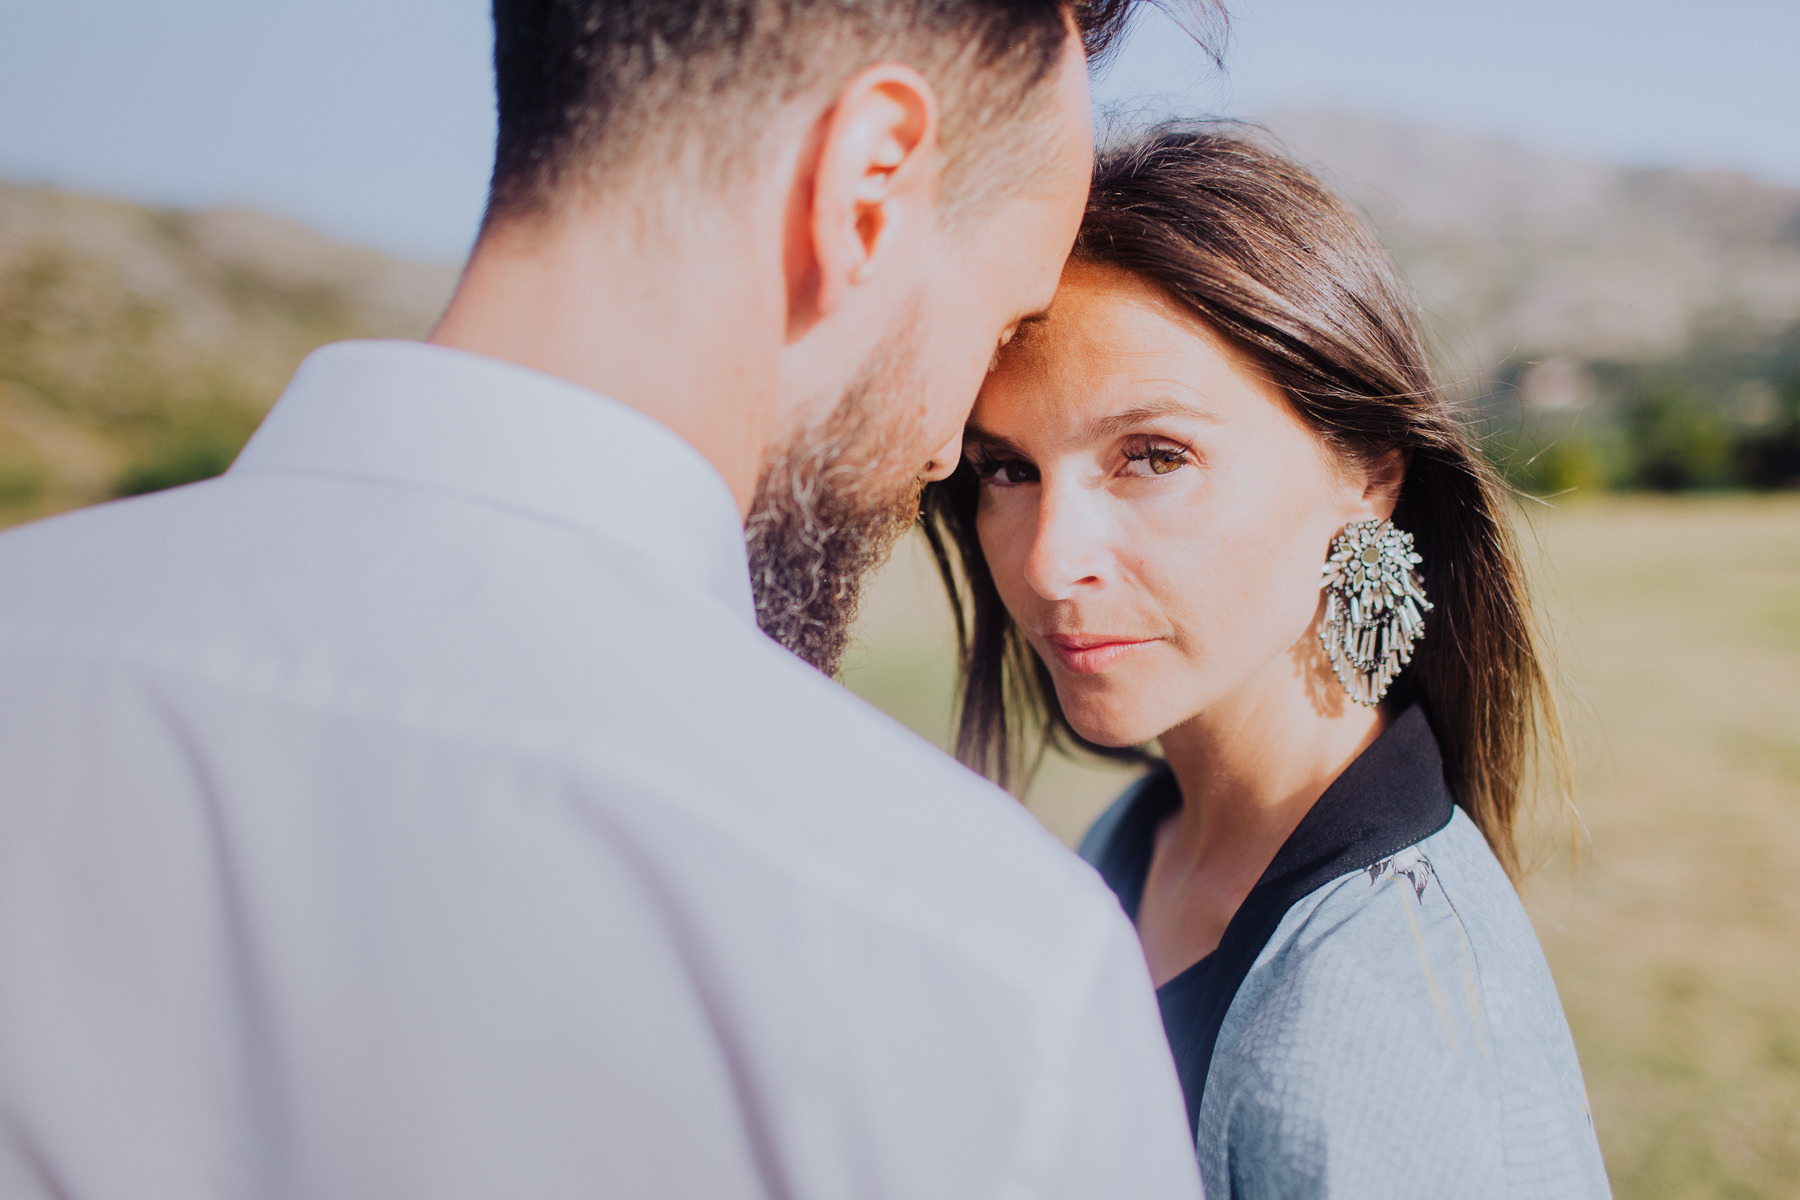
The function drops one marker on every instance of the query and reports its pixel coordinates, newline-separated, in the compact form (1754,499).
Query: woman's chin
(1105,726)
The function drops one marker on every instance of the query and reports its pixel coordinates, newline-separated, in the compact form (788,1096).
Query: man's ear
(873,186)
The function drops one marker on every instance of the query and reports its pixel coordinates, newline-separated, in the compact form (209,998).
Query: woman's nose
(1068,548)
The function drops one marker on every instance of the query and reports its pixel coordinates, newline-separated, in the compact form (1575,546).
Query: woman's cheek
(1005,533)
(1171,539)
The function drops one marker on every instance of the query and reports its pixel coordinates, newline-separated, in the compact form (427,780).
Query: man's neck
(666,326)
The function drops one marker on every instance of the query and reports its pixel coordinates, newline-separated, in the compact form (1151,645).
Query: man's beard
(829,510)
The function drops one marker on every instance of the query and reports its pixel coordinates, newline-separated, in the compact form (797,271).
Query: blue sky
(372,119)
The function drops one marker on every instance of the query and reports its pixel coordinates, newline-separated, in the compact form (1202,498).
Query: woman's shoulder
(1395,1011)
(1431,940)
(1380,949)
(1394,931)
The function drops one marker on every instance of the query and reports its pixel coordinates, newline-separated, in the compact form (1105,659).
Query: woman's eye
(1004,471)
(1154,459)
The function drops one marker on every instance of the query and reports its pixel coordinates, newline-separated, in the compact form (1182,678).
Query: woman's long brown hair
(1263,253)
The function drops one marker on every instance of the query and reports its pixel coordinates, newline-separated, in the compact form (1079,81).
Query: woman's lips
(1089,654)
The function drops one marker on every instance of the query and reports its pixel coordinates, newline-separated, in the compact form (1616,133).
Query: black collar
(1391,797)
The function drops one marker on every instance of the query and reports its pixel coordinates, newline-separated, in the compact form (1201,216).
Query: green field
(1675,935)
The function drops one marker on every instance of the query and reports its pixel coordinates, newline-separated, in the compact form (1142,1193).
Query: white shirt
(416,811)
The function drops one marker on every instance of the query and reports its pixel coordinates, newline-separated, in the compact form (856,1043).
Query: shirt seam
(664,567)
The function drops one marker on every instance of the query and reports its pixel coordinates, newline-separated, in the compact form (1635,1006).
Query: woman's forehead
(1115,342)
(1101,318)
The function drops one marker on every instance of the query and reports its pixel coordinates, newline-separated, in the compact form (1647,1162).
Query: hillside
(1618,326)
(138,347)
(1521,254)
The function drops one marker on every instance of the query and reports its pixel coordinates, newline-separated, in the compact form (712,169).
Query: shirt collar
(424,416)
(1392,795)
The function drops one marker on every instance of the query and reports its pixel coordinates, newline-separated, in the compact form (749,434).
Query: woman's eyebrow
(993,442)
(1114,424)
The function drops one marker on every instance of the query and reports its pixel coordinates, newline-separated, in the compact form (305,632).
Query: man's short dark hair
(590,88)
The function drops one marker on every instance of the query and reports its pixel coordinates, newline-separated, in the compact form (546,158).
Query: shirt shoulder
(516,815)
(1372,1043)
(1351,1059)
(305,604)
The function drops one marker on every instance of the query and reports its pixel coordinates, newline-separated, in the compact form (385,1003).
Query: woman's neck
(1249,768)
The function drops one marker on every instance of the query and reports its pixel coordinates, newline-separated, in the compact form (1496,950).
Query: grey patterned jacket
(1378,1019)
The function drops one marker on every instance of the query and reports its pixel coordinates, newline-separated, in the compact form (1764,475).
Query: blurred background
(1597,201)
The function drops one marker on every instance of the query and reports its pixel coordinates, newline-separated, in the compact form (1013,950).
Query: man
(417,809)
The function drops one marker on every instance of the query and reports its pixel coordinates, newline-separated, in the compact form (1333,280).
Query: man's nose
(1068,547)
(944,459)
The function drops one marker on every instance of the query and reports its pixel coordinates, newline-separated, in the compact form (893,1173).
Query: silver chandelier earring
(1375,607)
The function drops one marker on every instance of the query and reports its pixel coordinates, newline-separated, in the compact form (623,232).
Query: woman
(1213,500)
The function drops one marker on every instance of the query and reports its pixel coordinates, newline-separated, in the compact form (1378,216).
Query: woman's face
(1154,515)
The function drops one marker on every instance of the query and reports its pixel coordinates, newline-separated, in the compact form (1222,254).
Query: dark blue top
(1377,1018)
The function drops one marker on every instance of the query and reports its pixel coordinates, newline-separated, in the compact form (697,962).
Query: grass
(1675,935)
(1676,944)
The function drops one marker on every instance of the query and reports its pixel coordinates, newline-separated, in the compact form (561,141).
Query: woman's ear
(1382,481)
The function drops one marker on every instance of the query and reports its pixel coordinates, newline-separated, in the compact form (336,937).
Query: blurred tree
(1771,458)
(1575,463)
(1677,440)
(196,443)
(139,347)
